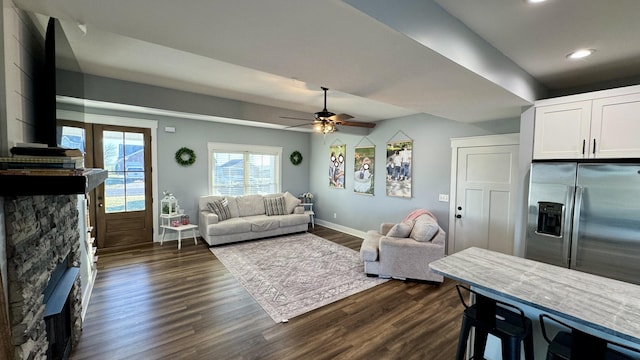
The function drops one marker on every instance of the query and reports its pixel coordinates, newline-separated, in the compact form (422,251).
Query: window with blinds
(238,169)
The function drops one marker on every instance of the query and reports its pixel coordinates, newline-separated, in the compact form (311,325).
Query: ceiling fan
(325,121)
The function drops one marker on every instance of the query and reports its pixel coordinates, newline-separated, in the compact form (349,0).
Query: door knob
(458,216)
(100,205)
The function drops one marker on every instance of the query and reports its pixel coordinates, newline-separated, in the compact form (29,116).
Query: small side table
(310,213)
(180,229)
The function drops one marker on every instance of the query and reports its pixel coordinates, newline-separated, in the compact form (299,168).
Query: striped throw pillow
(274,206)
(220,208)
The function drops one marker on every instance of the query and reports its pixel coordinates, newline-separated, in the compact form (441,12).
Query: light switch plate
(443,197)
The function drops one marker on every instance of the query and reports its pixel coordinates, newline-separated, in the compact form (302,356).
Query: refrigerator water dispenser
(550,218)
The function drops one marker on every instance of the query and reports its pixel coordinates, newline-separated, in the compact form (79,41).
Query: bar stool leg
(510,348)
(479,344)
(462,340)
(528,347)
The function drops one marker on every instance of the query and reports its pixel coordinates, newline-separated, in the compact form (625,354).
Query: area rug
(291,275)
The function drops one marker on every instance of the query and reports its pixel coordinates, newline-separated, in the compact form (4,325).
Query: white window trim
(244,148)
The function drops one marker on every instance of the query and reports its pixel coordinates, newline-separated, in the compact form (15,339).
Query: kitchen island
(604,307)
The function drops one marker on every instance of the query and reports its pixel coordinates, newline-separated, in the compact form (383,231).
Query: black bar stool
(577,345)
(502,320)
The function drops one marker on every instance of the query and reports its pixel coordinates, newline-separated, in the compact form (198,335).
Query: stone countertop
(608,305)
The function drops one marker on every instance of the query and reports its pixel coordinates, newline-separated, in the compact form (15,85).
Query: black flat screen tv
(45,112)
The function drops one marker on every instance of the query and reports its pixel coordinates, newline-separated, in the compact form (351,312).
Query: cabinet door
(615,127)
(562,131)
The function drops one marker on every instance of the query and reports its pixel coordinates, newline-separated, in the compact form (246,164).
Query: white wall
(23,56)
(524,161)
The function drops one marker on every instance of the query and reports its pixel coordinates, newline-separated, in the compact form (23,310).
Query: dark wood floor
(157,302)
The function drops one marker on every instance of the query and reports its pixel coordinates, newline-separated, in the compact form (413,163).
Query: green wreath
(185,156)
(296,158)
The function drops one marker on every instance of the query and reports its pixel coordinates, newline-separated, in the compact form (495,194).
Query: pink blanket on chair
(415,213)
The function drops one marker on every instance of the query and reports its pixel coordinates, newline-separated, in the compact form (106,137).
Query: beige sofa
(404,250)
(227,219)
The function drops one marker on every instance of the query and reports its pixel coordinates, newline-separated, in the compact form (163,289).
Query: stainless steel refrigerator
(586,216)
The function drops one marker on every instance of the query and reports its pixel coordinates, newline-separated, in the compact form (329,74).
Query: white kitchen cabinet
(615,127)
(603,124)
(562,131)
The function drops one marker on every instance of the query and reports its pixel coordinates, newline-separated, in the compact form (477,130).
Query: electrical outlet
(335,216)
(443,197)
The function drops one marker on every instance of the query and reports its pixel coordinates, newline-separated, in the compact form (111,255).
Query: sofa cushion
(291,202)
(424,229)
(274,206)
(262,223)
(220,208)
(401,230)
(249,205)
(369,246)
(293,220)
(231,226)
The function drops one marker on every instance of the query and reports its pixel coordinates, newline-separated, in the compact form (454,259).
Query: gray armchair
(404,250)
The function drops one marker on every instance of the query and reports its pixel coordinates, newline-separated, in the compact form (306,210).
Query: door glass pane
(72,138)
(123,154)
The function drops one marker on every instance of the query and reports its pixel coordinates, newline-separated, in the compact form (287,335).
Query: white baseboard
(341,228)
(86,295)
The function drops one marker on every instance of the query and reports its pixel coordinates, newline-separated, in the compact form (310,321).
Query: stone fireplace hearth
(41,231)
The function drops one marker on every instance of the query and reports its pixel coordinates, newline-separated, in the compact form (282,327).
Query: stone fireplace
(42,237)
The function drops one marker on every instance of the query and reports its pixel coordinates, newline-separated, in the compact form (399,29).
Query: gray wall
(431,170)
(354,213)
(189,183)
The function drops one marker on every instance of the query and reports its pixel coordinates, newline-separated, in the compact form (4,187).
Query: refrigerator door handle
(576,226)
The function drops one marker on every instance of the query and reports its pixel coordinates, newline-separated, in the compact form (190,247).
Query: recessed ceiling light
(535,1)
(580,53)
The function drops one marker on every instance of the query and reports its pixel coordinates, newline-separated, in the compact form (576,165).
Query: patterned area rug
(291,275)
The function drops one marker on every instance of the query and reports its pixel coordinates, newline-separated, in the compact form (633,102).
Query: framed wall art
(399,168)
(336,165)
(364,159)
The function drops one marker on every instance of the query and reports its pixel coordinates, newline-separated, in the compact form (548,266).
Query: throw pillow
(220,208)
(290,202)
(274,206)
(424,231)
(401,230)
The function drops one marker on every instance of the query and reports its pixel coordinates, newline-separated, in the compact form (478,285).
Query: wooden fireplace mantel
(27,185)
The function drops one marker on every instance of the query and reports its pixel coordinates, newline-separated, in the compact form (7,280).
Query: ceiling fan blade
(295,126)
(294,118)
(338,118)
(357,124)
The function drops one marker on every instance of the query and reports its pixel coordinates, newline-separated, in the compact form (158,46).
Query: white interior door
(483,205)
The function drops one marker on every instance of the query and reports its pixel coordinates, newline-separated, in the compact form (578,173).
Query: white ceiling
(465,60)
